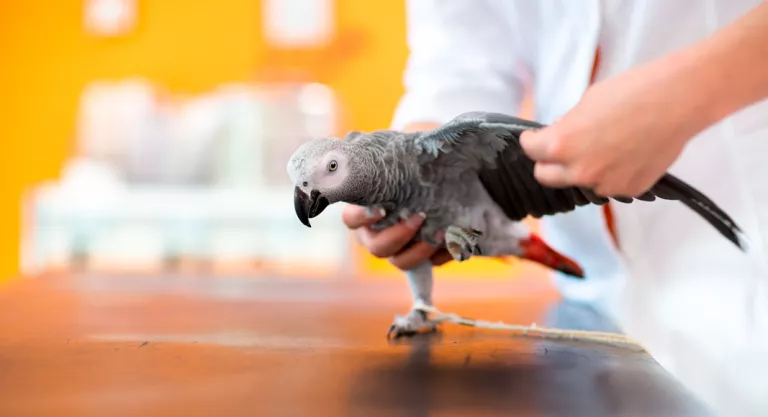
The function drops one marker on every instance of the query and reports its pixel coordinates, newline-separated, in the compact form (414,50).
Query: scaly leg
(416,321)
(461,242)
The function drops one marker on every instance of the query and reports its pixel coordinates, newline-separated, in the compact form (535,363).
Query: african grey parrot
(473,184)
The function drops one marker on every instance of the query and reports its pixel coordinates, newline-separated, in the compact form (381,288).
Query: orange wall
(188,46)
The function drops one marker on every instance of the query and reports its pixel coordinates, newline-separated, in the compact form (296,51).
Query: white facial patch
(324,176)
(309,164)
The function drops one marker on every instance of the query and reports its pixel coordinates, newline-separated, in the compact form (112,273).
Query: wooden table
(216,346)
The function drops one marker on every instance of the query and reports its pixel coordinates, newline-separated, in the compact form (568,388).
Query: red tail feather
(536,250)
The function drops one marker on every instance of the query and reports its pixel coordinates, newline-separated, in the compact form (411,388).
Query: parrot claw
(462,243)
(413,323)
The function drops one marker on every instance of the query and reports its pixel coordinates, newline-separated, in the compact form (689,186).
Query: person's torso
(677,285)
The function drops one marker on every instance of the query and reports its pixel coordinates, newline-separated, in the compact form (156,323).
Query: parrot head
(321,174)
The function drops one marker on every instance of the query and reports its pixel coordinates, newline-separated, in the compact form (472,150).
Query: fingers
(625,184)
(540,145)
(553,175)
(441,257)
(390,241)
(412,256)
(546,148)
(556,164)
(355,217)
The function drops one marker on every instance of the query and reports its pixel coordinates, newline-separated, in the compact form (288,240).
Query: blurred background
(152,136)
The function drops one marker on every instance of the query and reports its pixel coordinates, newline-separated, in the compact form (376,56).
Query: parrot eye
(332,166)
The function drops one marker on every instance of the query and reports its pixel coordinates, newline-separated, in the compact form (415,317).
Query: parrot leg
(461,242)
(416,321)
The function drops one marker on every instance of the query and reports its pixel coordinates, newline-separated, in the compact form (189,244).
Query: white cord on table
(533,329)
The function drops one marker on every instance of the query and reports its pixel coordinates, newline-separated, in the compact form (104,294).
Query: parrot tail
(536,250)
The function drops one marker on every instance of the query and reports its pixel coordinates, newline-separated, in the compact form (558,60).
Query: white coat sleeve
(464,56)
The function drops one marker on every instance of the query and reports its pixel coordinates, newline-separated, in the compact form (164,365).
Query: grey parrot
(471,181)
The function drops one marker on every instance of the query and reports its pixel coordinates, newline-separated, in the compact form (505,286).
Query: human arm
(463,56)
(627,130)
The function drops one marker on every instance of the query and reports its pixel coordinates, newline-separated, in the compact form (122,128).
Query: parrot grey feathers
(488,143)
(328,170)
(471,182)
(457,175)
(322,167)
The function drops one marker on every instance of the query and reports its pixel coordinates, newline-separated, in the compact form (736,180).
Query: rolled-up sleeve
(464,56)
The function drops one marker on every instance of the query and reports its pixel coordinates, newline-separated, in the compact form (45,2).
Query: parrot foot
(461,242)
(413,323)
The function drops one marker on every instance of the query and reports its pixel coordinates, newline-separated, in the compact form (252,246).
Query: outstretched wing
(489,143)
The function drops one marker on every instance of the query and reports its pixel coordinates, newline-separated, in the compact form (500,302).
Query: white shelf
(150,224)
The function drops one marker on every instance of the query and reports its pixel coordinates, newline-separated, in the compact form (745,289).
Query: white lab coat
(697,303)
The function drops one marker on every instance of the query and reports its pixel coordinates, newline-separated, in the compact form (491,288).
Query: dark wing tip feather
(670,187)
(508,174)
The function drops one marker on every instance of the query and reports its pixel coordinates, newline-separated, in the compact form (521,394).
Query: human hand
(391,242)
(622,136)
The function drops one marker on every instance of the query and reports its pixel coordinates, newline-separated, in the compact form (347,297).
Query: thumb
(553,175)
(536,144)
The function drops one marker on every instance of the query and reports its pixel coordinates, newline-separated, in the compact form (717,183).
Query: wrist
(696,88)
(704,71)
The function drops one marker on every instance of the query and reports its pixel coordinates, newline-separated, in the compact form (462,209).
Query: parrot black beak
(310,206)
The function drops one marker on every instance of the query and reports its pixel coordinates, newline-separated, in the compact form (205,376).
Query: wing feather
(489,143)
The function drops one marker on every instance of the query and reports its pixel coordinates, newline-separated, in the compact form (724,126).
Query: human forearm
(727,71)
(629,129)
